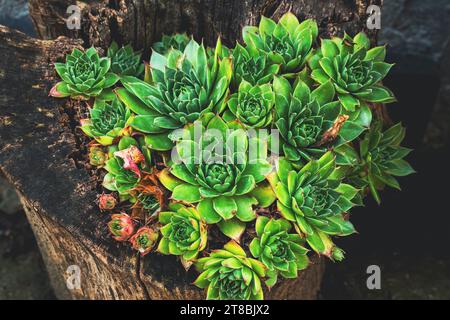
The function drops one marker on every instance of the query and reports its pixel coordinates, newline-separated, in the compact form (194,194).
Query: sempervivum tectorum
(84,75)
(280,251)
(355,70)
(183,233)
(302,117)
(124,61)
(185,85)
(314,200)
(177,41)
(144,240)
(108,121)
(121,226)
(228,274)
(380,160)
(287,43)
(255,68)
(251,105)
(223,182)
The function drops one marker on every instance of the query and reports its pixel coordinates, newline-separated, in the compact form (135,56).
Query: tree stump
(41,148)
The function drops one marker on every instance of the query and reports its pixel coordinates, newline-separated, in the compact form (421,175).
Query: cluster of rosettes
(174,190)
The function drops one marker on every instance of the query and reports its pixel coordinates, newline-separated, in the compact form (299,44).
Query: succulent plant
(185,86)
(302,117)
(108,121)
(222,181)
(287,43)
(144,240)
(84,75)
(314,200)
(381,159)
(121,226)
(124,61)
(97,156)
(184,232)
(251,105)
(178,41)
(148,196)
(355,70)
(255,69)
(107,201)
(209,106)
(281,252)
(230,275)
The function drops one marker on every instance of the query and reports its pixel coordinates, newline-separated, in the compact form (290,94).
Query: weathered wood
(40,147)
(141,23)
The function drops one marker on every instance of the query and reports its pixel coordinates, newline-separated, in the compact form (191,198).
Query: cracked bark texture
(40,147)
(141,23)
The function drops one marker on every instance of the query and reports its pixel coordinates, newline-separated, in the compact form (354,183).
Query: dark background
(407,236)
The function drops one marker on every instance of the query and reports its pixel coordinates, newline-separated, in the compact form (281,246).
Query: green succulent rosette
(108,121)
(256,69)
(380,160)
(315,201)
(302,117)
(178,41)
(124,61)
(280,251)
(287,43)
(228,274)
(355,70)
(251,105)
(217,172)
(185,85)
(84,75)
(184,232)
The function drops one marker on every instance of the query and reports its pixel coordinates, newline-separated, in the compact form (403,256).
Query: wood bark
(40,147)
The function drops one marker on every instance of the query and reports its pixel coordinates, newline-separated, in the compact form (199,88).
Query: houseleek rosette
(124,61)
(281,252)
(302,117)
(185,85)
(217,173)
(121,226)
(315,201)
(84,75)
(380,160)
(287,43)
(354,68)
(108,121)
(183,233)
(228,274)
(144,240)
(177,41)
(251,105)
(253,68)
